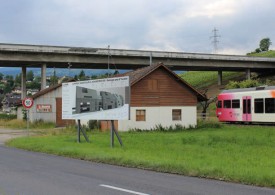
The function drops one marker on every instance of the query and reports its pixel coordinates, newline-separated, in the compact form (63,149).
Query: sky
(162,25)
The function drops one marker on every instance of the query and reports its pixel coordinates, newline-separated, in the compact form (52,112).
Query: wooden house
(159,97)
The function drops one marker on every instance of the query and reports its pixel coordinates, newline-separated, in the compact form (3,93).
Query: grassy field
(270,54)
(22,124)
(206,78)
(244,154)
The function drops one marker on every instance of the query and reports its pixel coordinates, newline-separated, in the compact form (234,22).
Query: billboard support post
(78,132)
(113,130)
(28,121)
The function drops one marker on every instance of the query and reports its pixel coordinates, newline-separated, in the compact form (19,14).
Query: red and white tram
(247,105)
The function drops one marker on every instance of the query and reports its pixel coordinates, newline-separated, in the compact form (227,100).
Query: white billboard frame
(99,99)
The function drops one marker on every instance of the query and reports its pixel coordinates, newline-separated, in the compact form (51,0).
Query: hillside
(268,54)
(203,80)
(208,79)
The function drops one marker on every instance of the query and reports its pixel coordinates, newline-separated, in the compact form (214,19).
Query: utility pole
(108,60)
(215,39)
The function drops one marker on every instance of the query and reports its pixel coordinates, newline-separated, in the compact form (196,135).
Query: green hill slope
(269,54)
(201,79)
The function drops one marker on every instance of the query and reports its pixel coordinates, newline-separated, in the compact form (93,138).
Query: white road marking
(121,189)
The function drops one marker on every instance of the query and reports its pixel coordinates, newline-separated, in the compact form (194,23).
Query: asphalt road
(23,172)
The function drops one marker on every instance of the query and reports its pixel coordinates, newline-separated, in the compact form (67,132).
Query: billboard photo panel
(100,99)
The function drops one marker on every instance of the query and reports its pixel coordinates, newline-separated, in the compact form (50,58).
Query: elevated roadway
(18,55)
(22,55)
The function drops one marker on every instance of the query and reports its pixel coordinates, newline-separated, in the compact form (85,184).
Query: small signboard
(44,108)
(27,103)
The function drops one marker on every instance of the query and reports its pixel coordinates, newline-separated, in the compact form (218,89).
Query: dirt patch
(6,134)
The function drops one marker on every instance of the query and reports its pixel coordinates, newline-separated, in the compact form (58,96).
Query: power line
(215,39)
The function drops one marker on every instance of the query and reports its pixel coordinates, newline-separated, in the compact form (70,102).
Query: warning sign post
(27,103)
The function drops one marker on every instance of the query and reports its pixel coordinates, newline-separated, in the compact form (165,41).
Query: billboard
(100,99)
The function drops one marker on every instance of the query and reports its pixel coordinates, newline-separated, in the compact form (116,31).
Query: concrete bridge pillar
(43,76)
(23,82)
(219,77)
(248,74)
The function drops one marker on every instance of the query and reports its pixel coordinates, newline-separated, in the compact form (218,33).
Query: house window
(176,114)
(153,85)
(140,115)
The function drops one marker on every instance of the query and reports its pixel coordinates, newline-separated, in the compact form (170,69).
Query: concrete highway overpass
(21,55)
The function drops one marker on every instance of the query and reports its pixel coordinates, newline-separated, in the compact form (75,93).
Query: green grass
(7,116)
(270,54)
(206,78)
(22,124)
(244,154)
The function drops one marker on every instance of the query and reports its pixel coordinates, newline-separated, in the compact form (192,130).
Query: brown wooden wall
(106,125)
(59,121)
(160,88)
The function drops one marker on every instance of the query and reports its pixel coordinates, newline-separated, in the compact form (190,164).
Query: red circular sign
(27,102)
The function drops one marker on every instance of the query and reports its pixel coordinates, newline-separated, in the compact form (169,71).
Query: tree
(30,75)
(9,77)
(205,104)
(265,44)
(1,76)
(258,50)
(33,85)
(9,85)
(37,79)
(82,75)
(116,72)
(17,80)
(53,79)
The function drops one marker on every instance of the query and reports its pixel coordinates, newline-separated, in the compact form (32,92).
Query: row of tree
(34,82)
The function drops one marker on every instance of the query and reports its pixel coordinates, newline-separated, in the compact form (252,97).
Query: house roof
(136,75)
(45,91)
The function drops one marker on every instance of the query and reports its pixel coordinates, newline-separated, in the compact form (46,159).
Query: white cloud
(175,25)
(215,8)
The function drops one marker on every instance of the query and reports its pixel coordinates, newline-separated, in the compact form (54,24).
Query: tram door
(246,108)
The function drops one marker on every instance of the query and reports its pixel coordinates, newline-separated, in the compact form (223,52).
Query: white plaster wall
(48,98)
(19,113)
(159,115)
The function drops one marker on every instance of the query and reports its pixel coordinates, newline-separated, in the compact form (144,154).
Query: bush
(8,116)
(40,124)
(93,124)
(208,124)
(160,128)
(243,84)
(232,85)
(249,83)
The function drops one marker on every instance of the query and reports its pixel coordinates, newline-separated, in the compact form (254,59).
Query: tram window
(269,105)
(219,104)
(235,103)
(227,103)
(259,105)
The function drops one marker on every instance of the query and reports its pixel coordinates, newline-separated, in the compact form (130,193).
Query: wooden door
(59,121)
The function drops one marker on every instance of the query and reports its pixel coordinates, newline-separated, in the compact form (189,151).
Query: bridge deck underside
(100,61)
